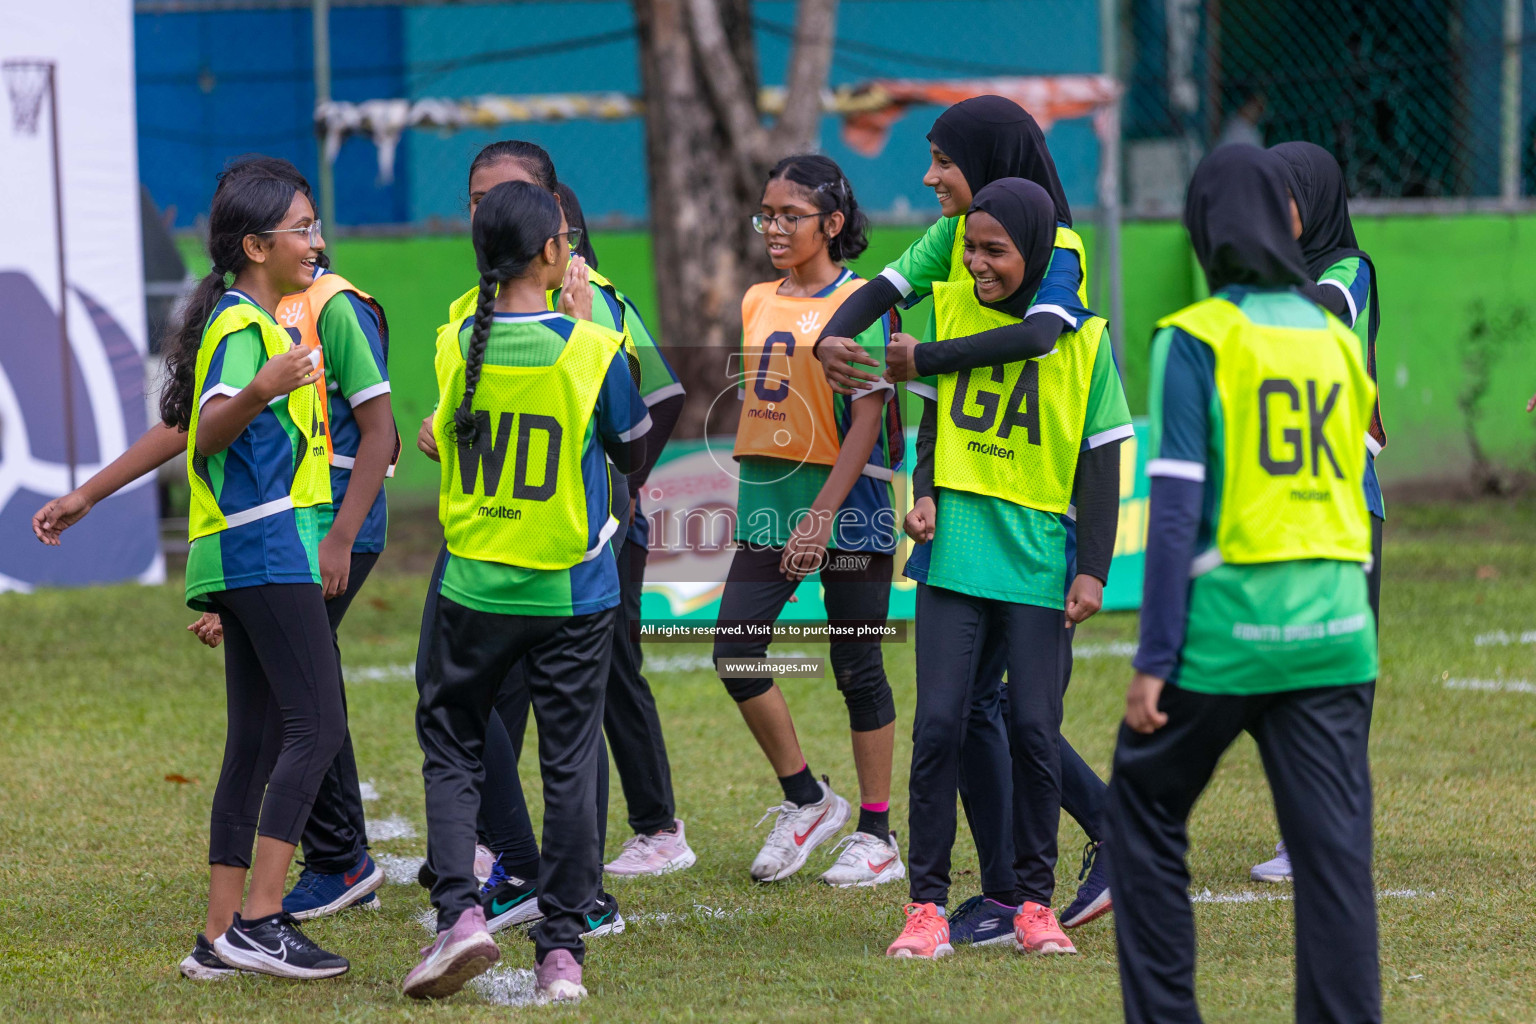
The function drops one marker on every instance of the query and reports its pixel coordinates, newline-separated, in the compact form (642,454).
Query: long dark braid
(513,222)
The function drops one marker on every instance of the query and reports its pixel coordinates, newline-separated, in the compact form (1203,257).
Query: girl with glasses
(815,495)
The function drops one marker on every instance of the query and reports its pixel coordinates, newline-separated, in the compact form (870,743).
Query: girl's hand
(1084,599)
(837,357)
(426,441)
(285,373)
(1531,405)
(59,515)
(806,551)
(920,522)
(335,564)
(1141,712)
(209,629)
(899,364)
(576,290)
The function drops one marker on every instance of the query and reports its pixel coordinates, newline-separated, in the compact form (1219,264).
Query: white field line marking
(1499,638)
(399,870)
(1206,896)
(1119,649)
(509,986)
(379,674)
(392,827)
(367,790)
(1492,685)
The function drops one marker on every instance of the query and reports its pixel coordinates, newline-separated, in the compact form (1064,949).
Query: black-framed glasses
(785,222)
(573,237)
(310,230)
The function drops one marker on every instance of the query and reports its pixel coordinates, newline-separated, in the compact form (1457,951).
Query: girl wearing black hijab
(998,529)
(1255,614)
(1345,285)
(973,143)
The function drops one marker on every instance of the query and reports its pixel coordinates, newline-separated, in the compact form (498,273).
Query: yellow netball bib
(517,495)
(1011,431)
(1295,402)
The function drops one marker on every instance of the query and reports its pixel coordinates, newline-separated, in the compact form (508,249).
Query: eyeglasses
(573,237)
(310,230)
(785,222)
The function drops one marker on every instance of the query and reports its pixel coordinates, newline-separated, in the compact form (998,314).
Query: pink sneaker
(462,952)
(559,977)
(926,935)
(1035,931)
(659,854)
(485,860)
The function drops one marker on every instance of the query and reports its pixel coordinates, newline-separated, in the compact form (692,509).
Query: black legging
(286,717)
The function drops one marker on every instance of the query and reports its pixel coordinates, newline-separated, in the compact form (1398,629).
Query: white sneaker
(1276,870)
(659,854)
(797,832)
(865,860)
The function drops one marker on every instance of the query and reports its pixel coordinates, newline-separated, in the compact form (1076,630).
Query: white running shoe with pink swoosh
(866,860)
(797,831)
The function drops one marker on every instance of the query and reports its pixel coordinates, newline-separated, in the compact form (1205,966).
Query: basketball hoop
(28,82)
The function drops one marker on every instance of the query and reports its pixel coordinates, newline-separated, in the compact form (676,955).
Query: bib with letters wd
(787,407)
(301,312)
(311,474)
(1294,402)
(1011,431)
(1066,238)
(517,495)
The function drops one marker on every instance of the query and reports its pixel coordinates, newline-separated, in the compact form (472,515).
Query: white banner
(90,44)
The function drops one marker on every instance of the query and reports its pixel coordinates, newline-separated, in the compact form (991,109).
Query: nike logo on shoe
(351,877)
(499,907)
(800,839)
(877,868)
(595,925)
(280,953)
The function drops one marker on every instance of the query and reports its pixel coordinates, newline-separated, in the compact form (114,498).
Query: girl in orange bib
(815,495)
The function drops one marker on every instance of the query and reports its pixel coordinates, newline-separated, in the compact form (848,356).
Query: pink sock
(884,805)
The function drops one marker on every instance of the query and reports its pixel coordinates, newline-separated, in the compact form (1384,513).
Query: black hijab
(1327,234)
(991,137)
(1026,212)
(1238,217)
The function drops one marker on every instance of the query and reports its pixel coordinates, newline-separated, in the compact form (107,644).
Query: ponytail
(465,426)
(252,197)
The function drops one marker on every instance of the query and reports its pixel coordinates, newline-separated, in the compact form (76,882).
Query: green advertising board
(690,501)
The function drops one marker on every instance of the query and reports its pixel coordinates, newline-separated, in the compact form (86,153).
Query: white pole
(1509,150)
(320,12)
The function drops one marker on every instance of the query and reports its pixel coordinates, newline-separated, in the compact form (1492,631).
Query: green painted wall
(1456,353)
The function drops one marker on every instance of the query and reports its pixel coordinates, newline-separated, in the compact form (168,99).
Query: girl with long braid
(530,402)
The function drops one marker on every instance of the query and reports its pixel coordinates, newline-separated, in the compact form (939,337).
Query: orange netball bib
(787,410)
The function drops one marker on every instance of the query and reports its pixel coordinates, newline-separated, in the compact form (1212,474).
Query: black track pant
(987,780)
(463,660)
(1373,578)
(857,587)
(954,633)
(337,835)
(1313,744)
(287,720)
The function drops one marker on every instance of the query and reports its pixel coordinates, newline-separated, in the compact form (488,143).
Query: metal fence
(1418,99)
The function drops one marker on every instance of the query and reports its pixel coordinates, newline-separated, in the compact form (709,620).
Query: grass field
(113,727)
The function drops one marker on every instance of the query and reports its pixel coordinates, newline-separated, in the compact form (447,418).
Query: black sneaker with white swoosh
(275,945)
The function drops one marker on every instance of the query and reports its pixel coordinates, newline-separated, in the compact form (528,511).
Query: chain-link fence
(1418,99)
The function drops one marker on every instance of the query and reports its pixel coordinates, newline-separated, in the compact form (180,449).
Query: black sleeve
(664,416)
(1173,526)
(860,310)
(927,437)
(626,456)
(1030,338)
(1097,497)
(1332,299)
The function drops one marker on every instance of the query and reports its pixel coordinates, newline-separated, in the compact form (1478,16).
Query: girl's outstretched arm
(158,445)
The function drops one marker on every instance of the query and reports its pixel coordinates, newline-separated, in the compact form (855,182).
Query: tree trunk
(708,154)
